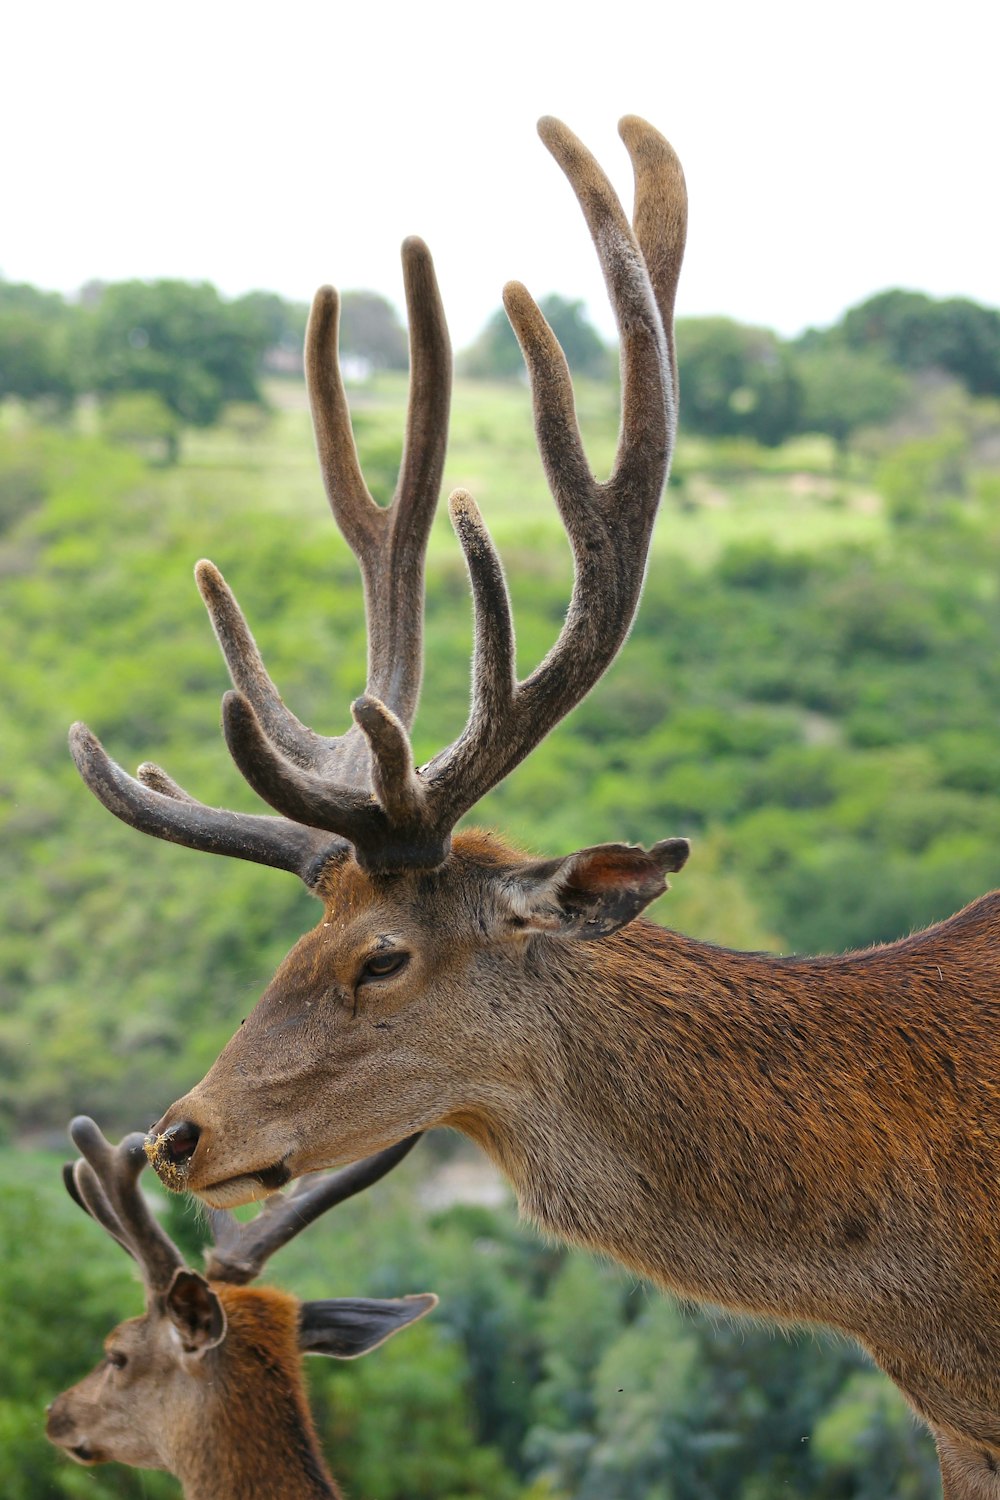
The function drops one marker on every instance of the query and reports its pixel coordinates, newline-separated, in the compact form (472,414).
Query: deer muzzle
(171,1150)
(62,1430)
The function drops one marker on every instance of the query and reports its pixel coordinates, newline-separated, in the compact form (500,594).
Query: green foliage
(276,326)
(496,354)
(142,420)
(870,1419)
(370,330)
(35,335)
(737,381)
(179,340)
(812,693)
(922,478)
(844,389)
(402,1425)
(916,332)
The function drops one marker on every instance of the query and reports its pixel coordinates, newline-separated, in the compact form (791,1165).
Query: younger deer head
(415,982)
(207,1382)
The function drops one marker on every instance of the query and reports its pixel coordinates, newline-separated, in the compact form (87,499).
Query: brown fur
(232,1423)
(806,1139)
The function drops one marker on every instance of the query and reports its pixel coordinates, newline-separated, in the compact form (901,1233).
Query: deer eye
(381,965)
(116,1359)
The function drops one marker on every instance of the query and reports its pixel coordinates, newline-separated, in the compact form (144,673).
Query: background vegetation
(811,692)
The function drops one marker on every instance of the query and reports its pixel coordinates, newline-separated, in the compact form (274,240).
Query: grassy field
(726,493)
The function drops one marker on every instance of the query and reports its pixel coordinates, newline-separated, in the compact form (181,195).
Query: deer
(207,1384)
(810,1140)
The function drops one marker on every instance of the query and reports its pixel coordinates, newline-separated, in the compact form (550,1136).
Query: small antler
(363,787)
(105,1184)
(241,1249)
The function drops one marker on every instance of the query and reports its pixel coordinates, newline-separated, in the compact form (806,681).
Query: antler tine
(250,677)
(241,1249)
(394,586)
(155,778)
(354,510)
(86,1191)
(116,1170)
(363,526)
(659,218)
(390,543)
(156,804)
(609,524)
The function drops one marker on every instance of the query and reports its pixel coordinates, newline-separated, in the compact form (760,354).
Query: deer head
(207,1384)
(410,1000)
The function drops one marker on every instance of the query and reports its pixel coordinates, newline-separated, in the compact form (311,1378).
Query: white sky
(830,150)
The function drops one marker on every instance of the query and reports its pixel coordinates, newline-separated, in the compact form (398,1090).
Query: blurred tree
(35,357)
(179,340)
(370,330)
(844,389)
(247,420)
(280,327)
(737,381)
(495,355)
(142,420)
(917,332)
(867,1445)
(921,479)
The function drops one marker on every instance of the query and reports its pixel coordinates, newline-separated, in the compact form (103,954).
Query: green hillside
(811,693)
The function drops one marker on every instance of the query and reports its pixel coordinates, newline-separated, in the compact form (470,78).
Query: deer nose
(179,1141)
(169,1152)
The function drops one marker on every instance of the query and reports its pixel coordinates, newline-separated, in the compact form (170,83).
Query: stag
(805,1139)
(207,1384)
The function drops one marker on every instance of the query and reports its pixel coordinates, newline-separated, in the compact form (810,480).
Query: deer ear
(594,892)
(351,1326)
(195,1311)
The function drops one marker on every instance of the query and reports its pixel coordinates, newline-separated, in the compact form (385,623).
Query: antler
(242,1248)
(105,1184)
(390,544)
(410,819)
(364,787)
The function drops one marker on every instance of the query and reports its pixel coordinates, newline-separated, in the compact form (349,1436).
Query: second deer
(207,1384)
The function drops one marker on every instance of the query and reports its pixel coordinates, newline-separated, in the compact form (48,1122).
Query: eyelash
(394,961)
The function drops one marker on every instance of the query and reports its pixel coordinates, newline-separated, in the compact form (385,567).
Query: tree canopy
(917,332)
(370,330)
(177,339)
(737,381)
(496,355)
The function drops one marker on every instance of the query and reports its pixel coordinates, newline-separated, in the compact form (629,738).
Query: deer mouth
(247,1187)
(85,1454)
(61,1429)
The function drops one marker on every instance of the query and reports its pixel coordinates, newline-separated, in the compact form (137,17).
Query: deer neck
(273,1452)
(263,1438)
(721,1127)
